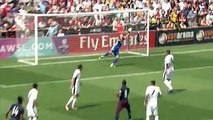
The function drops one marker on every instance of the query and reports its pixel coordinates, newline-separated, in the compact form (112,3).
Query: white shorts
(75,90)
(169,74)
(151,110)
(31,112)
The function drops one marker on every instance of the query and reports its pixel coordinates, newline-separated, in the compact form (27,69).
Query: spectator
(203,22)
(170,25)
(19,21)
(156,4)
(120,26)
(209,16)
(43,7)
(182,25)
(174,15)
(166,6)
(22,9)
(114,25)
(53,29)
(139,4)
(60,33)
(191,17)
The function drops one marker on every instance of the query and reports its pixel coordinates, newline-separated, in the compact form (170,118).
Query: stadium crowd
(164,14)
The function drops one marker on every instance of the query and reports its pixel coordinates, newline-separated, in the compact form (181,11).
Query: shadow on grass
(125,64)
(138,119)
(178,91)
(88,106)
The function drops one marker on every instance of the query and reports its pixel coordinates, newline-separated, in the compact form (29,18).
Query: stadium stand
(164,14)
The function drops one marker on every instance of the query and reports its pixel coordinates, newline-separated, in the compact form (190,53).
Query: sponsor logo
(199,35)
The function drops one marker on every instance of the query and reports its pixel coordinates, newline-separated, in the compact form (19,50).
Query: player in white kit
(32,112)
(75,87)
(168,70)
(151,100)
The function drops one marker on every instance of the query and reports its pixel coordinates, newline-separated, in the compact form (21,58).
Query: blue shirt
(16,111)
(124,93)
(118,45)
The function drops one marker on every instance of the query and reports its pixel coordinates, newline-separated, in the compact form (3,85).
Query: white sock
(168,84)
(70,101)
(35,110)
(74,101)
(147,118)
(156,117)
(34,118)
(29,118)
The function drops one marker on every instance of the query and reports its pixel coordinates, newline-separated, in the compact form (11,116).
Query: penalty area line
(104,77)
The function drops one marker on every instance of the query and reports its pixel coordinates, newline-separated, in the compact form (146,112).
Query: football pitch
(191,100)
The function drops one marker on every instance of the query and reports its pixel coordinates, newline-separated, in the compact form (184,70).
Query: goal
(45,35)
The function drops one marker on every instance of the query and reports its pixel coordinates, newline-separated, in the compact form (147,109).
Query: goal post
(27,38)
(137,20)
(141,38)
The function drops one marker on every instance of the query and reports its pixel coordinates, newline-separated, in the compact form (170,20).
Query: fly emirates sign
(101,42)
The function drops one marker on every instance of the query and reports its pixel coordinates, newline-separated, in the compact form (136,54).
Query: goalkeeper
(116,49)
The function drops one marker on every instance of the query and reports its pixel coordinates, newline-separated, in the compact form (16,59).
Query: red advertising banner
(102,42)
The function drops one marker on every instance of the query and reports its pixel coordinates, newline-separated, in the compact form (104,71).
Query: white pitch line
(92,60)
(61,57)
(104,77)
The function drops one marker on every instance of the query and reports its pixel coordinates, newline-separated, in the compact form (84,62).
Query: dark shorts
(115,52)
(123,104)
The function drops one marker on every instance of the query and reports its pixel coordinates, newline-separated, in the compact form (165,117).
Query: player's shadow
(88,106)
(178,90)
(126,64)
(138,119)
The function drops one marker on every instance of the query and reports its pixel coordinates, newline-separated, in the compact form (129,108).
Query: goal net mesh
(26,39)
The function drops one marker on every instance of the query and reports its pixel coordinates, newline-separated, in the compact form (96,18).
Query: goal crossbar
(85,13)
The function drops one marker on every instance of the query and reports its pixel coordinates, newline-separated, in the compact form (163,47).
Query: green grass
(193,79)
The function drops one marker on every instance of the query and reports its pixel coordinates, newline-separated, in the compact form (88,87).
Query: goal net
(139,36)
(26,37)
(45,35)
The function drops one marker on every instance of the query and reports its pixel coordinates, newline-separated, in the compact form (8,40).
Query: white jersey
(32,96)
(169,59)
(153,93)
(76,78)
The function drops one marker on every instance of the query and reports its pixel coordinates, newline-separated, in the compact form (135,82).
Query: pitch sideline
(109,76)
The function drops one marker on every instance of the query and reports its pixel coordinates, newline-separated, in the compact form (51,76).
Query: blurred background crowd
(164,14)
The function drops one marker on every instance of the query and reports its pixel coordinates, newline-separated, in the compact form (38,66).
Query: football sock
(70,100)
(156,117)
(116,116)
(115,61)
(129,115)
(147,118)
(74,101)
(170,84)
(34,118)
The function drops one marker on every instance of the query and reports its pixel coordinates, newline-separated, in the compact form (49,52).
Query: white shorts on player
(75,90)
(169,74)
(151,110)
